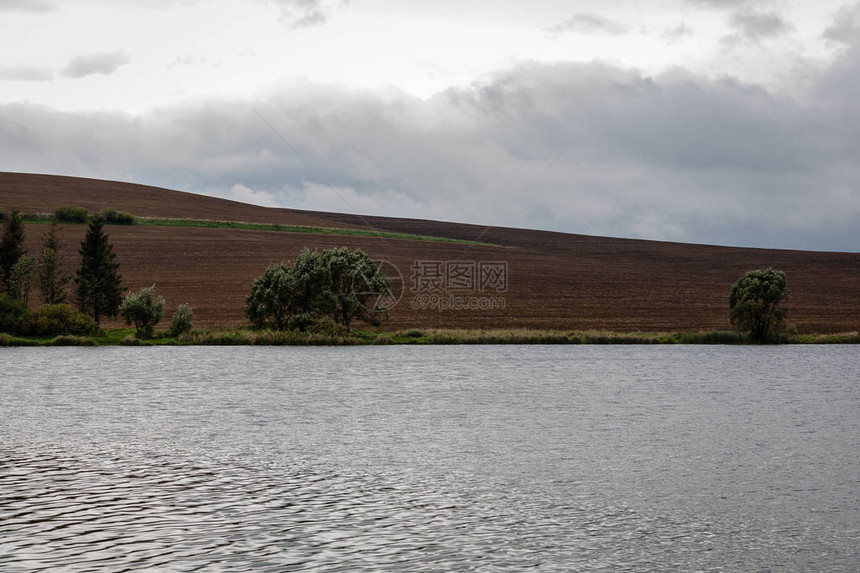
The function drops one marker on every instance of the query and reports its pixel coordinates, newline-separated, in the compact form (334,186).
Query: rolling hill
(513,278)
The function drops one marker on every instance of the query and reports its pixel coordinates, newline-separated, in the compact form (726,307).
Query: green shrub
(66,340)
(789,334)
(66,214)
(113,217)
(129,341)
(225,338)
(301,321)
(57,319)
(413,333)
(9,340)
(181,322)
(143,309)
(326,326)
(845,338)
(12,315)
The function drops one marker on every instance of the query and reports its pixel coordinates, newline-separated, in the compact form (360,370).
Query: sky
(729,122)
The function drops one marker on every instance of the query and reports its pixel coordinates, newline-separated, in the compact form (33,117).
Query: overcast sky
(733,122)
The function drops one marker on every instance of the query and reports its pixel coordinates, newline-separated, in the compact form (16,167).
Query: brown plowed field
(554,280)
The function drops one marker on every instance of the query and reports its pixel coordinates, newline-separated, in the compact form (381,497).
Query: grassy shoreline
(248,337)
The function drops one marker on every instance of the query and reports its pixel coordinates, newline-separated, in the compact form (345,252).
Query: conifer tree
(11,247)
(99,285)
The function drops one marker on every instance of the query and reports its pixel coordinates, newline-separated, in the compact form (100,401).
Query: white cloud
(298,14)
(235,48)
(321,197)
(104,63)
(589,24)
(245,194)
(677,33)
(758,25)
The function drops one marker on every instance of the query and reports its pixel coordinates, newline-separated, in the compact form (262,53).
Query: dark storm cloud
(588,24)
(104,63)
(37,6)
(588,148)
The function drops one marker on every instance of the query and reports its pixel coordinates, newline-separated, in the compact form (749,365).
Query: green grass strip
(212,224)
(207,224)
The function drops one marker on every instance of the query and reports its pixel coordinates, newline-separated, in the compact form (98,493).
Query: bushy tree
(11,247)
(289,296)
(356,284)
(181,322)
(143,309)
(754,303)
(52,280)
(338,283)
(269,303)
(113,217)
(99,285)
(21,279)
(58,319)
(66,214)
(12,315)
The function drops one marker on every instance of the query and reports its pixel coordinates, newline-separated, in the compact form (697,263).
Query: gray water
(494,458)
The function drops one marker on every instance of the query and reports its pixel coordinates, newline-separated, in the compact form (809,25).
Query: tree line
(330,289)
(98,290)
(336,286)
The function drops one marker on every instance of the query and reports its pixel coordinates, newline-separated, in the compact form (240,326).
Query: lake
(430,458)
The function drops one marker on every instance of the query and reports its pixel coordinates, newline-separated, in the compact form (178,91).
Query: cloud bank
(591,148)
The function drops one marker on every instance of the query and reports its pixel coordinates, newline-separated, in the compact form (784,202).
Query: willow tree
(356,286)
(755,304)
(144,309)
(289,296)
(339,283)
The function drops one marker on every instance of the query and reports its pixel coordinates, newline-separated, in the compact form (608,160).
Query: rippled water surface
(430,459)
